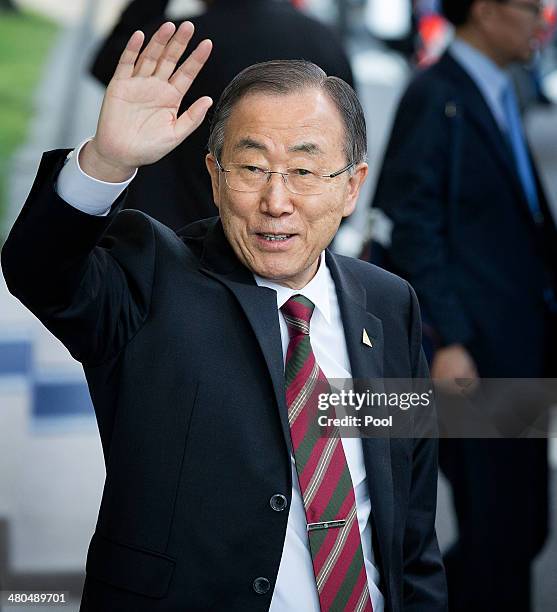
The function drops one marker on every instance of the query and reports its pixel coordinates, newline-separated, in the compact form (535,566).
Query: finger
(192,118)
(183,77)
(147,62)
(174,51)
(125,66)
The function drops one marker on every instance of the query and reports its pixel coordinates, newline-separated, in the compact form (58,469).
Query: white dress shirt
(295,589)
(87,194)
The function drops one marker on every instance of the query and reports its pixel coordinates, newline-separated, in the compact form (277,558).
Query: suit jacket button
(261,586)
(278,502)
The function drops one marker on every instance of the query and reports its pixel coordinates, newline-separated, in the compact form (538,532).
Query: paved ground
(69,103)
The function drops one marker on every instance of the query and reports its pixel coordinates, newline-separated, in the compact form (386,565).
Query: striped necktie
(325,483)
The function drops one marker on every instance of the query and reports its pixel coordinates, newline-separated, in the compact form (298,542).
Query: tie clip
(326,525)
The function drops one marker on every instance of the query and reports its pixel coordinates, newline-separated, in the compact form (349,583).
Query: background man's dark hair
(457,11)
(282,77)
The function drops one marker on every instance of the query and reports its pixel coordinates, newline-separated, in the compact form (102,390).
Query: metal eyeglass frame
(285,177)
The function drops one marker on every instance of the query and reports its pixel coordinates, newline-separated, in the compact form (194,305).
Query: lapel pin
(365,339)
(451,110)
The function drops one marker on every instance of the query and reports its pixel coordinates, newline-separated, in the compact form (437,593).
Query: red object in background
(434,33)
(550,18)
(298,3)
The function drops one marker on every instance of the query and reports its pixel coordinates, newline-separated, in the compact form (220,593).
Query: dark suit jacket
(183,358)
(177,189)
(463,234)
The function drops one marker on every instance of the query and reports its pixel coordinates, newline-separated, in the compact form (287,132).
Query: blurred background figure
(177,190)
(473,233)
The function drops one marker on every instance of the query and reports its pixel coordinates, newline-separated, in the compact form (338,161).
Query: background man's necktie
(325,483)
(525,170)
(520,150)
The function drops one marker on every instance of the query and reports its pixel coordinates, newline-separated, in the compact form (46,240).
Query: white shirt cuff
(87,194)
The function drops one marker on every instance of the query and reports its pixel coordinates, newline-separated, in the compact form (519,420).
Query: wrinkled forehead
(305,122)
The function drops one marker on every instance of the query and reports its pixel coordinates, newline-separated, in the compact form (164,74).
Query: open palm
(139,121)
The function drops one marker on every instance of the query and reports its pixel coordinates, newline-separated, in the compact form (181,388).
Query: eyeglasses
(250,178)
(536,9)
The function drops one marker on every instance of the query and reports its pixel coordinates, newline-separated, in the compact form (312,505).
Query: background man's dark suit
(465,238)
(177,190)
(182,354)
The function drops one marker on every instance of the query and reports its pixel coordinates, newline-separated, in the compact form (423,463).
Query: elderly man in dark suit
(176,189)
(474,235)
(204,351)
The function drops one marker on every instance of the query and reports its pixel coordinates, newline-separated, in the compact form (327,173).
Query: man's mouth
(275,237)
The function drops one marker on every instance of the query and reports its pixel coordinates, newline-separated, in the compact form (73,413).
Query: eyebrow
(249,143)
(303,147)
(306,147)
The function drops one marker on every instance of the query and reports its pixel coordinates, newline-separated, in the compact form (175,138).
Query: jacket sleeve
(87,278)
(424,583)
(146,15)
(413,190)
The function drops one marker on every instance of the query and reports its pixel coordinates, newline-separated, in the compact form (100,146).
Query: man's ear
(214,173)
(355,181)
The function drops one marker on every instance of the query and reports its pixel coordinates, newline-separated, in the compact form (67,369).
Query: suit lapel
(476,110)
(259,305)
(367,363)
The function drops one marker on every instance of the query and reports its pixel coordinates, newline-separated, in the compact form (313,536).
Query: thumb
(192,118)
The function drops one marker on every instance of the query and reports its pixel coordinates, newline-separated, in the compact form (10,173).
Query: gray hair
(281,77)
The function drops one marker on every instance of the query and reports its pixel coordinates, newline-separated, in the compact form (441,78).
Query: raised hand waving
(139,122)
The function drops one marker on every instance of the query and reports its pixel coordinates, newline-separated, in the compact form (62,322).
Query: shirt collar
(490,79)
(317,290)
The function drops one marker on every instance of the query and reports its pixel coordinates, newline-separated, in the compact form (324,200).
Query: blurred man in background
(177,189)
(474,235)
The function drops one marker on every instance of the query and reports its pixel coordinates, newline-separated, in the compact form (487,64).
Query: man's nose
(276,199)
